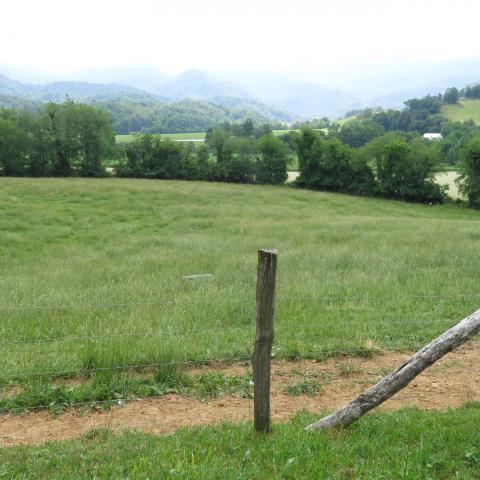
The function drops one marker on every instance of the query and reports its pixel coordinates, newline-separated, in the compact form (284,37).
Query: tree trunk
(403,375)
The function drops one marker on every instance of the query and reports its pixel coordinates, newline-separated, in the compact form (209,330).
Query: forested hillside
(184,116)
(134,110)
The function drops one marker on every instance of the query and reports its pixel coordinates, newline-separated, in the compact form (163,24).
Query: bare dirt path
(452,382)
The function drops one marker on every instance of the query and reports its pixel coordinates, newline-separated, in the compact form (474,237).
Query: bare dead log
(403,375)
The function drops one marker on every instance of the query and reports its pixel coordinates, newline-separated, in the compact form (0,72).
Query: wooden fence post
(262,355)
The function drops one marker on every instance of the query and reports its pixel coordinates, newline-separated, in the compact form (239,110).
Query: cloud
(302,35)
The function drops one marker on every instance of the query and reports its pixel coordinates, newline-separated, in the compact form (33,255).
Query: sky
(301,35)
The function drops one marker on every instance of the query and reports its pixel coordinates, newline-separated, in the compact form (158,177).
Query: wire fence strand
(280,298)
(220,328)
(88,370)
(354,322)
(198,362)
(87,306)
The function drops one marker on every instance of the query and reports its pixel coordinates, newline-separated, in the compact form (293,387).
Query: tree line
(60,140)
(240,153)
(358,158)
(418,117)
(396,165)
(390,166)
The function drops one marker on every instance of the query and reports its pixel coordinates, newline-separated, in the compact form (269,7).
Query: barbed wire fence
(290,329)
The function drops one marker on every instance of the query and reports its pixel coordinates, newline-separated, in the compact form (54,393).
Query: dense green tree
(357,133)
(407,171)
(248,128)
(158,158)
(469,181)
(305,141)
(13,154)
(330,165)
(430,104)
(72,139)
(97,139)
(376,147)
(272,158)
(451,95)
(471,91)
(455,136)
(217,139)
(202,156)
(237,165)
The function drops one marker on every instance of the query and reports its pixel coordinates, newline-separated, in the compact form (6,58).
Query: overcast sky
(66,35)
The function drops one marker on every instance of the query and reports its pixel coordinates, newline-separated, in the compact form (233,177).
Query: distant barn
(433,136)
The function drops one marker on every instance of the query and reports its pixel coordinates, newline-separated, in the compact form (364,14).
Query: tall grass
(117,251)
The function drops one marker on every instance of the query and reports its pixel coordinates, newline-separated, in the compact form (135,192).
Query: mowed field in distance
(99,266)
(196,136)
(184,137)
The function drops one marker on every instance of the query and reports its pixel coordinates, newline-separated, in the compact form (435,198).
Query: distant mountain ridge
(80,91)
(197,85)
(282,98)
(301,100)
(134,110)
(292,95)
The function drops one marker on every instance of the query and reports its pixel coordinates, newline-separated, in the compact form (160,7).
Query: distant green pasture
(464,110)
(194,136)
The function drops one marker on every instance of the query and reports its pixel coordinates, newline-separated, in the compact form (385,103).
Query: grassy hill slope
(118,249)
(94,263)
(465,110)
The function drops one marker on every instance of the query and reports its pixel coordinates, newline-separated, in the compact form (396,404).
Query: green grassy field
(343,121)
(464,110)
(410,445)
(98,265)
(449,178)
(184,136)
(106,259)
(196,136)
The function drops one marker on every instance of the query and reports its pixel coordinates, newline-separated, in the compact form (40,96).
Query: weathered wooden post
(262,355)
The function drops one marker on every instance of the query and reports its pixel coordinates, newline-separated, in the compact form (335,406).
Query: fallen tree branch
(403,375)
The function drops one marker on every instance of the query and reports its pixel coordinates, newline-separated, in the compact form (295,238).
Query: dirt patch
(451,382)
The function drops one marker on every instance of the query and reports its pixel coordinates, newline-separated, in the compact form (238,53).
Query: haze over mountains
(283,95)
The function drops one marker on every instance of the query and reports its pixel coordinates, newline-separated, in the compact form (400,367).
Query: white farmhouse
(433,136)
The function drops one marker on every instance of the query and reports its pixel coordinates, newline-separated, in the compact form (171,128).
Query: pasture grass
(343,121)
(92,272)
(449,179)
(409,445)
(279,133)
(464,110)
(195,136)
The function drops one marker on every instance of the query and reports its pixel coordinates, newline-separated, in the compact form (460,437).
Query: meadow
(464,110)
(92,272)
(195,136)
(449,179)
(185,137)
